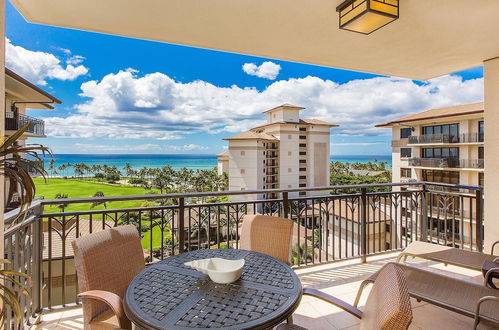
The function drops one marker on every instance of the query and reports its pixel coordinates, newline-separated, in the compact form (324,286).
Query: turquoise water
(195,162)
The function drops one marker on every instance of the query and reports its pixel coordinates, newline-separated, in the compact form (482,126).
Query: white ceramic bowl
(219,270)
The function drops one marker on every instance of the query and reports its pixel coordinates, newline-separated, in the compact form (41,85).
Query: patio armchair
(464,297)
(448,255)
(105,263)
(388,306)
(268,235)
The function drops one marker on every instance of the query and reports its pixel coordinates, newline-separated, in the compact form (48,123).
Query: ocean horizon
(177,161)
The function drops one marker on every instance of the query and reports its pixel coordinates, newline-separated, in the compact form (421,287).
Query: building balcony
(447,163)
(341,279)
(445,139)
(44,238)
(14,122)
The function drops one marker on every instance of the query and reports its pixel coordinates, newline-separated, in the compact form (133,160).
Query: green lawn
(78,188)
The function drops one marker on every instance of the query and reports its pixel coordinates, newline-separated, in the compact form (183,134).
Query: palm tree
(78,169)
(62,168)
(62,206)
(130,173)
(97,203)
(16,162)
(52,169)
(15,167)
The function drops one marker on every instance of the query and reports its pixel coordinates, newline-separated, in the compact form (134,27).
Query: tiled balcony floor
(342,280)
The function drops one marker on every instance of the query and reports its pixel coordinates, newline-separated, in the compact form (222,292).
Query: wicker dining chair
(269,235)
(106,262)
(388,306)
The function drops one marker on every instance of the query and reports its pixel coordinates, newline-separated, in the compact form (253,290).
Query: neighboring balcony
(445,138)
(14,122)
(446,163)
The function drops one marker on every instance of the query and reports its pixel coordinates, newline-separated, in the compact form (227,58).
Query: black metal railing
(446,138)
(16,121)
(331,223)
(447,163)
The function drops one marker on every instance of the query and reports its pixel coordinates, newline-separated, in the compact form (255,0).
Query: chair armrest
(480,302)
(488,276)
(493,247)
(113,301)
(335,301)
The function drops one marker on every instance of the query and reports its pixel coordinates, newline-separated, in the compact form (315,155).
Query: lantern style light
(366,16)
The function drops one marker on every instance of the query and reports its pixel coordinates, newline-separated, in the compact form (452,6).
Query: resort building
(287,152)
(444,145)
(21,95)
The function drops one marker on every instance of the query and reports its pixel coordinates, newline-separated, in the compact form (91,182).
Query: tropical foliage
(359,173)
(166,179)
(17,162)
(9,297)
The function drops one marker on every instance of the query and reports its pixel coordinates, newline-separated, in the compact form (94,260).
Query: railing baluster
(479,220)
(181,229)
(363,219)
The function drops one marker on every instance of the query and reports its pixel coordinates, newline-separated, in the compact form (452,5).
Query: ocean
(195,162)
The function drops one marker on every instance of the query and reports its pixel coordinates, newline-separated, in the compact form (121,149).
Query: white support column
(2,112)
(491,204)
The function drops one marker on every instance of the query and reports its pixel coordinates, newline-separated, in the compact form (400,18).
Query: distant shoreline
(177,161)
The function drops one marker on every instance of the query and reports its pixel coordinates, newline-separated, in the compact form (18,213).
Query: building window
(303,177)
(289,153)
(302,193)
(481,178)
(388,228)
(290,137)
(405,172)
(290,186)
(303,153)
(481,153)
(447,129)
(440,152)
(481,131)
(243,171)
(303,185)
(303,161)
(303,145)
(303,137)
(303,129)
(303,169)
(451,177)
(243,188)
(405,152)
(243,153)
(405,132)
(290,170)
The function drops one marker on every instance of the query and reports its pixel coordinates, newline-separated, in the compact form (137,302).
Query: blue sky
(116,89)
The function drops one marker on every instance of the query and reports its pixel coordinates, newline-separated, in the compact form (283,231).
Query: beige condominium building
(444,145)
(21,95)
(287,152)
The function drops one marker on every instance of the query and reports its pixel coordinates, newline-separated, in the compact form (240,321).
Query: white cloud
(39,66)
(267,70)
(154,106)
(88,147)
(147,147)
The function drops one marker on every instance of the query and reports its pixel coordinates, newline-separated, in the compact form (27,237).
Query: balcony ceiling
(431,38)
(24,91)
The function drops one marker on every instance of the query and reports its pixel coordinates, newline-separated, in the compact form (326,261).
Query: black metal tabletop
(169,295)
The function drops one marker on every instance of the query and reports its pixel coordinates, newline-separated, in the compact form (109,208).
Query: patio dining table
(170,295)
